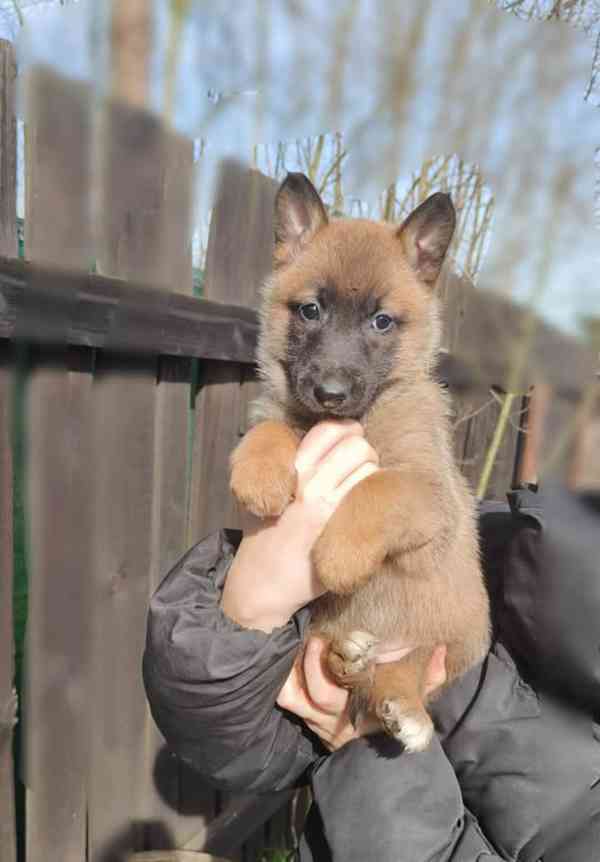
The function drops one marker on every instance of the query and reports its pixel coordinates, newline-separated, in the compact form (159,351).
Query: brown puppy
(350,327)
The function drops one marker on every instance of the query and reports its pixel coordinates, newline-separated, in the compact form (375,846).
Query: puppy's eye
(382,322)
(310,311)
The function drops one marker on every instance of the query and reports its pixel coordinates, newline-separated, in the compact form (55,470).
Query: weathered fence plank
(170,794)
(7,697)
(238,259)
(132,200)
(58,498)
(8,246)
(8,151)
(143,420)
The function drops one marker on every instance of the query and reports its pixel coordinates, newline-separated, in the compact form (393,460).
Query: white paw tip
(415,734)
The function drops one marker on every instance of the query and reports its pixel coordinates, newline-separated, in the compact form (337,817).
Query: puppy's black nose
(331,391)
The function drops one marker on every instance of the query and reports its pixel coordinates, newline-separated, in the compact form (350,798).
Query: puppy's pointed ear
(299,214)
(426,235)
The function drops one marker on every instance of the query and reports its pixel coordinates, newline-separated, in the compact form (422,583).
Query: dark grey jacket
(514,773)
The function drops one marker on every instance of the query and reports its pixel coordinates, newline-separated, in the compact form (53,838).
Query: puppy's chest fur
(415,596)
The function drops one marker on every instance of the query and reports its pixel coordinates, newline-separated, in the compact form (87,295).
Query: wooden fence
(134,398)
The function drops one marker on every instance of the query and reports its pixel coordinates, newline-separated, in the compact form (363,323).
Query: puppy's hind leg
(399,702)
(351,661)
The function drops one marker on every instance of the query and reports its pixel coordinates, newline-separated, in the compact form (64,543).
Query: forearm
(271,577)
(248,596)
(212,685)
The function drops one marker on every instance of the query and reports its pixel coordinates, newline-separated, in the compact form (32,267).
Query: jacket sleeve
(212,685)
(411,808)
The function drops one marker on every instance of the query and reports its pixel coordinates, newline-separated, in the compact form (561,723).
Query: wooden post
(528,467)
(8,247)
(169,792)
(583,472)
(140,448)
(124,446)
(59,500)
(140,462)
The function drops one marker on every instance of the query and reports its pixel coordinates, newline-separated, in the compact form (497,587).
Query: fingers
(308,691)
(293,695)
(436,672)
(336,496)
(320,439)
(310,694)
(334,730)
(320,687)
(324,479)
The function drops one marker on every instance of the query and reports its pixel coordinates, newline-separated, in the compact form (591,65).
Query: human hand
(272,575)
(310,693)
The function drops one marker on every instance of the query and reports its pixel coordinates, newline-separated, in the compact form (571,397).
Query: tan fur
(263,464)
(400,554)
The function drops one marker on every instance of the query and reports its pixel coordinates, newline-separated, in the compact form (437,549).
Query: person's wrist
(251,597)
(259,620)
(256,611)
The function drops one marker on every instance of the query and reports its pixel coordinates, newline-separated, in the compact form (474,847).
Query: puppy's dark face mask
(341,350)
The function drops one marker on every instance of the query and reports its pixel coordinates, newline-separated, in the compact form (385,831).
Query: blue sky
(265,74)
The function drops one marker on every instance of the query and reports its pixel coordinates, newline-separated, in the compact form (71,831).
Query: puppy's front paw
(343,555)
(351,659)
(263,475)
(362,533)
(263,487)
(414,729)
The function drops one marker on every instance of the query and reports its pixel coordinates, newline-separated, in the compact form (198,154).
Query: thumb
(320,686)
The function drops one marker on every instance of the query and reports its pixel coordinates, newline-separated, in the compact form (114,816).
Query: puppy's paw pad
(353,655)
(358,646)
(413,729)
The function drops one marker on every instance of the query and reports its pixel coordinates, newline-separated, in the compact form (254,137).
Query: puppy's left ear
(426,235)
(299,215)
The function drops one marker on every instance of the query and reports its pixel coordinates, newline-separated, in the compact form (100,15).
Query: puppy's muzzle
(332,392)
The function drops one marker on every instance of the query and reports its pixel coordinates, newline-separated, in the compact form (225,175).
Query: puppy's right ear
(299,214)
